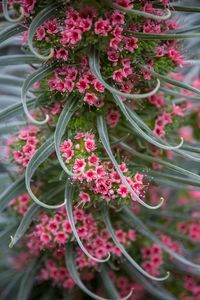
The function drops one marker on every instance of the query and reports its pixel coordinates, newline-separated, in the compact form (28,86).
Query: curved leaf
(31,79)
(174,178)
(18,59)
(125,253)
(10,31)
(138,130)
(102,130)
(157,291)
(39,19)
(109,286)
(70,108)
(163,36)
(25,223)
(14,190)
(39,157)
(16,109)
(173,82)
(71,266)
(6,13)
(143,14)
(95,68)
(152,159)
(140,226)
(69,191)
(27,282)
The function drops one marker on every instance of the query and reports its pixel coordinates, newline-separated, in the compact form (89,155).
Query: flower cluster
(22,147)
(98,178)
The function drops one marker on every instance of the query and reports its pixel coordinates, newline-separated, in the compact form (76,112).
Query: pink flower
(114,43)
(118,75)
(85,198)
(125,3)
(113,55)
(40,33)
(113,117)
(62,53)
(61,237)
(69,85)
(93,160)
(29,149)
(45,238)
(51,26)
(90,175)
(177,110)
(123,191)
(79,165)
(102,27)
(89,145)
(90,98)
(18,156)
(68,154)
(117,18)
(66,145)
(82,86)
(99,87)
(131,43)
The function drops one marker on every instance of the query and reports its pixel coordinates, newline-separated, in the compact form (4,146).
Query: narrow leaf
(109,286)
(69,191)
(10,31)
(95,68)
(102,130)
(25,223)
(40,18)
(70,108)
(18,59)
(6,13)
(16,109)
(31,79)
(135,125)
(27,282)
(13,191)
(71,266)
(140,226)
(38,158)
(153,289)
(109,227)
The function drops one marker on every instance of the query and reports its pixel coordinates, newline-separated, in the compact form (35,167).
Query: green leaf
(70,108)
(102,130)
(71,266)
(16,109)
(94,63)
(163,36)
(128,215)
(13,191)
(109,286)
(38,158)
(163,162)
(109,227)
(135,125)
(10,31)
(27,282)
(143,14)
(18,59)
(40,18)
(25,223)
(157,291)
(6,13)
(173,178)
(172,81)
(31,79)
(69,191)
